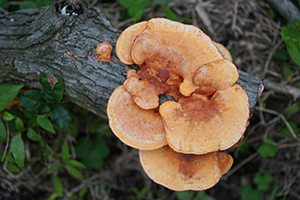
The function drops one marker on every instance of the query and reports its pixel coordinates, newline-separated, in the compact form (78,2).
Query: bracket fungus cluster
(180,139)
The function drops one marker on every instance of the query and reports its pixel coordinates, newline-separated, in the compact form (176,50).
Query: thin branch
(7,140)
(281,116)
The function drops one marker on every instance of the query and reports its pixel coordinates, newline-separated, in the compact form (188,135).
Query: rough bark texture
(35,41)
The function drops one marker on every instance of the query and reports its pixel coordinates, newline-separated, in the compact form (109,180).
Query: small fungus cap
(104,52)
(145,89)
(126,40)
(136,127)
(217,75)
(181,172)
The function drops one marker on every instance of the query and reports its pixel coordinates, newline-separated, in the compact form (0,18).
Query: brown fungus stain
(187,165)
(198,108)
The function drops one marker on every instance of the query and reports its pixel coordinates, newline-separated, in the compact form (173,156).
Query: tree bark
(37,40)
(286,9)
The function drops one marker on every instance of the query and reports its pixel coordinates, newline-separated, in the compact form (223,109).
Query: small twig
(281,116)
(7,140)
(270,58)
(283,89)
(233,25)
(291,145)
(238,166)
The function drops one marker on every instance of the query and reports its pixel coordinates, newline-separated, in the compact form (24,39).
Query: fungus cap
(217,75)
(125,41)
(200,124)
(104,52)
(225,53)
(144,88)
(180,172)
(136,127)
(164,44)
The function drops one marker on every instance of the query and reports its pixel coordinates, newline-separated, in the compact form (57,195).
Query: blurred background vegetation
(52,149)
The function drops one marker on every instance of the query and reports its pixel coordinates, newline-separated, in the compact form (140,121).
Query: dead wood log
(37,40)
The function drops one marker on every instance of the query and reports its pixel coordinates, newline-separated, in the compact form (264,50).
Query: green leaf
(295,54)
(286,132)
(53,196)
(58,185)
(248,193)
(33,101)
(47,91)
(162,2)
(3,135)
(292,109)
(170,14)
(65,153)
(203,196)
(271,13)
(58,90)
(61,117)
(74,172)
(19,124)
(45,123)
(13,168)
(281,54)
(7,157)
(17,149)
(27,5)
(3,3)
(92,152)
(135,3)
(268,149)
(291,37)
(7,94)
(7,116)
(83,192)
(183,195)
(31,134)
(76,163)
(244,146)
(55,168)
(136,8)
(57,86)
(42,3)
(32,122)
(263,181)
(287,73)
(27,113)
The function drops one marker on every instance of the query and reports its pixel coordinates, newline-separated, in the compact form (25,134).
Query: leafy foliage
(291,37)
(268,149)
(7,94)
(136,8)
(17,150)
(191,195)
(262,181)
(247,192)
(34,4)
(291,109)
(92,152)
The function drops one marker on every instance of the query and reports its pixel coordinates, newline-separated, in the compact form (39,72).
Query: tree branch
(36,40)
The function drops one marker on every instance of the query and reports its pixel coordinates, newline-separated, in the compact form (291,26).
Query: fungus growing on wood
(104,52)
(200,124)
(179,172)
(136,127)
(177,48)
(204,110)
